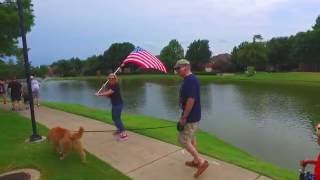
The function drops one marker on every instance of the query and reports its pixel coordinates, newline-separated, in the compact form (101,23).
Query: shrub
(250,71)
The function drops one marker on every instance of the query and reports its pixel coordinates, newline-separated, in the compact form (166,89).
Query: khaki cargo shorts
(188,133)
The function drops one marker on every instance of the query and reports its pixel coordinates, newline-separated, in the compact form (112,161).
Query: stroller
(306,175)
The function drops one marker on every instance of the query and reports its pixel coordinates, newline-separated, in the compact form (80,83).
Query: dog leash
(130,129)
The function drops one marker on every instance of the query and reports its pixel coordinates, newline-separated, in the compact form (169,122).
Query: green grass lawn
(208,144)
(15,154)
(304,78)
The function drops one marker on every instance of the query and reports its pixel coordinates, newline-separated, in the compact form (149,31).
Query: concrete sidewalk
(140,157)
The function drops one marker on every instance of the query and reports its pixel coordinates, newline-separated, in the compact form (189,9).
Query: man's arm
(187,110)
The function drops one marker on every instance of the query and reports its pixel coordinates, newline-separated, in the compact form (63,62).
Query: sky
(77,28)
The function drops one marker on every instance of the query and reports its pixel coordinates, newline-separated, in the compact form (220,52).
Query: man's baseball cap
(181,62)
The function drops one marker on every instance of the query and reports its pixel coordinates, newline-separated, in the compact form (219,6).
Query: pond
(272,122)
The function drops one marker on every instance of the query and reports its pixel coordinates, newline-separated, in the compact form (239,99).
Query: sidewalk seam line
(259,175)
(151,162)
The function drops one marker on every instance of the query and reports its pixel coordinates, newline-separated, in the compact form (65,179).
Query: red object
(145,60)
(316,164)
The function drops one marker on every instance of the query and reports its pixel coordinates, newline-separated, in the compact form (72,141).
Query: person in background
(15,93)
(3,91)
(35,86)
(113,92)
(25,96)
(191,115)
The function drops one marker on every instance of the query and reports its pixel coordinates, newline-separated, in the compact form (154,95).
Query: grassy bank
(208,144)
(303,78)
(15,154)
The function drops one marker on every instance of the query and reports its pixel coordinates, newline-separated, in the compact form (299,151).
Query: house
(208,67)
(220,63)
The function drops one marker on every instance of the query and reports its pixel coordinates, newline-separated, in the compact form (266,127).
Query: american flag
(145,60)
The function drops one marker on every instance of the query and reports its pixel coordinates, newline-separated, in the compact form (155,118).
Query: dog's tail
(78,135)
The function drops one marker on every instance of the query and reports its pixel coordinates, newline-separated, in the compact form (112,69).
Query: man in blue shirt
(191,114)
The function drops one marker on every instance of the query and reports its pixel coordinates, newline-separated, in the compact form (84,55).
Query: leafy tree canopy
(198,53)
(251,54)
(171,53)
(317,25)
(9,23)
(115,54)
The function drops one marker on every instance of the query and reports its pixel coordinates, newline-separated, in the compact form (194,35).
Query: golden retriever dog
(64,141)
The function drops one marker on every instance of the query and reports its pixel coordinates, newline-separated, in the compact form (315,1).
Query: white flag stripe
(134,60)
(157,60)
(138,56)
(145,58)
(153,58)
(132,57)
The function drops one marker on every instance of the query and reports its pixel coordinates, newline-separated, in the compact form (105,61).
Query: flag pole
(108,79)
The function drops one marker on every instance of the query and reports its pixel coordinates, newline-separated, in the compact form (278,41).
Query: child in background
(3,91)
(35,86)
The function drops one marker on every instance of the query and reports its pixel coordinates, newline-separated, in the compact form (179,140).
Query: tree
(68,67)
(198,53)
(317,25)
(61,67)
(171,53)
(257,37)
(10,68)
(279,50)
(92,64)
(115,54)
(40,71)
(250,54)
(306,49)
(9,23)
(76,66)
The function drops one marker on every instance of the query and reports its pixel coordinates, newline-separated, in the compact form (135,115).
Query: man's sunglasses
(177,68)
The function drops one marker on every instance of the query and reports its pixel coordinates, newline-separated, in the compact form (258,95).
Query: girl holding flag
(144,60)
(113,92)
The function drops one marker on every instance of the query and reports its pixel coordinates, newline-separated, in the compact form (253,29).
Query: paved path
(140,157)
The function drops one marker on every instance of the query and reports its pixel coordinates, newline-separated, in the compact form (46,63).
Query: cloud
(228,7)
(79,28)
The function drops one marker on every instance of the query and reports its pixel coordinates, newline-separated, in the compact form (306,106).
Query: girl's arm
(106,93)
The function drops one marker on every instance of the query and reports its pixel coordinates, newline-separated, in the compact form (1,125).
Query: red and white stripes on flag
(145,60)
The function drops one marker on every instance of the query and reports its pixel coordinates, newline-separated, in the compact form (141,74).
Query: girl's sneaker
(123,137)
(116,133)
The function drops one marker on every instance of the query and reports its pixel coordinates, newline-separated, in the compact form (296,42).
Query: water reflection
(261,119)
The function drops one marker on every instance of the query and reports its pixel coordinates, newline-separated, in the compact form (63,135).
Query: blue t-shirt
(190,88)
(115,97)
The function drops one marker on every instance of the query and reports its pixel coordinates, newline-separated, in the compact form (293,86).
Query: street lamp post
(35,136)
